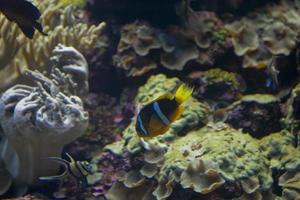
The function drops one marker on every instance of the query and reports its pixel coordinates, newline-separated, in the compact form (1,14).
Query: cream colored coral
(61,26)
(10,43)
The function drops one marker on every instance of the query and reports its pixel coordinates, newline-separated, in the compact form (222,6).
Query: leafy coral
(143,47)
(271,31)
(207,158)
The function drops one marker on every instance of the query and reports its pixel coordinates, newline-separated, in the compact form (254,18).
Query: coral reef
(195,114)
(37,122)
(204,160)
(258,115)
(73,63)
(271,31)
(217,86)
(143,48)
(62,27)
(238,137)
(289,181)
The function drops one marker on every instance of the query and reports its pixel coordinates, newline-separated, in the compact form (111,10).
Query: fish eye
(87,166)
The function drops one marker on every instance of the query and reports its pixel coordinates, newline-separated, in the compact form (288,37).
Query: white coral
(39,120)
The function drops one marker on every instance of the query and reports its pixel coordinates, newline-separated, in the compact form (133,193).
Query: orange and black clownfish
(24,14)
(156,117)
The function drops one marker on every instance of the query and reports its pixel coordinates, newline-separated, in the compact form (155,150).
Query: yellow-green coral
(61,27)
(234,155)
(195,114)
(204,160)
(155,87)
(220,35)
(80,3)
(279,149)
(217,75)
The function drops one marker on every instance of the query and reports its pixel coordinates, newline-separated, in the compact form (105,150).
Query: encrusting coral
(255,38)
(284,157)
(143,48)
(37,121)
(271,31)
(217,86)
(61,26)
(258,114)
(203,160)
(290,182)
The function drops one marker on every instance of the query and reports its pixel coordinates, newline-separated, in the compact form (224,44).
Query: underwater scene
(150,99)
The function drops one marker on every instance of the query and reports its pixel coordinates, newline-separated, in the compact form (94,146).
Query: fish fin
(270,83)
(177,113)
(70,157)
(39,27)
(168,95)
(156,127)
(183,93)
(53,178)
(59,160)
(27,30)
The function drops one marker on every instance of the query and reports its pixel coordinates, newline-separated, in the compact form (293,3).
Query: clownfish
(156,117)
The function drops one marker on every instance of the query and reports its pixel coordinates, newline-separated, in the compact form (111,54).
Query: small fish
(76,169)
(156,117)
(272,72)
(24,14)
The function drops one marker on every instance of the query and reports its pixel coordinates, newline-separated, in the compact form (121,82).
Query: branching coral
(73,63)
(10,44)
(38,121)
(61,27)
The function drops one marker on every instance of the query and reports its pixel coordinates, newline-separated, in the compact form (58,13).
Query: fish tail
(183,93)
(39,27)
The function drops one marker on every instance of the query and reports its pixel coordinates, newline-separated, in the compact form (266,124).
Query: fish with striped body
(156,117)
(79,170)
